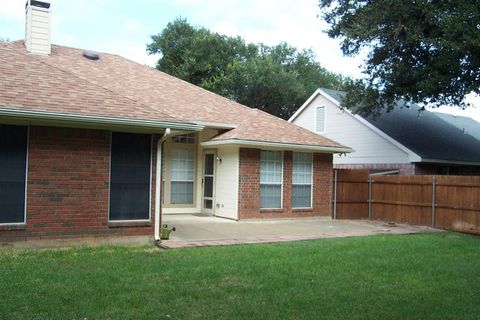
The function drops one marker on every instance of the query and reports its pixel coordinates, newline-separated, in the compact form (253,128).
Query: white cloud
(471,112)
(94,24)
(137,54)
(12,10)
(133,25)
(271,22)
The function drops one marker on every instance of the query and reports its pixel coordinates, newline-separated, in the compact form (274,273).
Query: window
(13,168)
(320,119)
(302,180)
(271,166)
(184,138)
(130,170)
(182,172)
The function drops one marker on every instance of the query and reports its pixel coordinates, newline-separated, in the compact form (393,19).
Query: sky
(125,27)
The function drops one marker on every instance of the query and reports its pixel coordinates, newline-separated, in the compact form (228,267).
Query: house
(404,140)
(465,124)
(93,144)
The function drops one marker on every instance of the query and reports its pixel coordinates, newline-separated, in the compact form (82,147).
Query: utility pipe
(158,183)
(335,195)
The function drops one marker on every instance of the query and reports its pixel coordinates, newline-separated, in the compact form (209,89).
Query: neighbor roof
(67,82)
(423,132)
(466,124)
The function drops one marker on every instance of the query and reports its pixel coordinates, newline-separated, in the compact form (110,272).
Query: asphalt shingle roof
(467,125)
(67,82)
(425,133)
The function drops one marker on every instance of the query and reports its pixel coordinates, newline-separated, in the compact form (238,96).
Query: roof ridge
(69,72)
(153,69)
(278,119)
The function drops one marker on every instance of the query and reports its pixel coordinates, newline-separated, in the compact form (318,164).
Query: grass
(426,276)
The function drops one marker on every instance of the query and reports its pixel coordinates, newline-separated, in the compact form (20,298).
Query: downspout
(158,184)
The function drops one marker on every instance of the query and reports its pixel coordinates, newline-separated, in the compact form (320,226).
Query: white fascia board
(329,97)
(300,110)
(99,120)
(309,100)
(412,156)
(276,145)
(215,125)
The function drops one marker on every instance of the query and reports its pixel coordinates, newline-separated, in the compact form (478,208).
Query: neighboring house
(403,140)
(85,138)
(465,124)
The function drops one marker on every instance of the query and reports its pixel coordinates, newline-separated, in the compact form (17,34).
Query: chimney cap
(40,4)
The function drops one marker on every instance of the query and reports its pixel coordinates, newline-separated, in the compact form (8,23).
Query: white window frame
(188,138)
(149,190)
(24,222)
(192,181)
(324,119)
(281,179)
(303,184)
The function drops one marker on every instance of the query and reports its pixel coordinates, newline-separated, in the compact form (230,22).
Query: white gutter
(158,182)
(100,120)
(277,145)
(216,125)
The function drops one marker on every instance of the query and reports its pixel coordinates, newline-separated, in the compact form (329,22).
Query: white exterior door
(208,183)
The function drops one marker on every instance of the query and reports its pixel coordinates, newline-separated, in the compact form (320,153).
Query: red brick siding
(249,183)
(322,183)
(68,186)
(249,187)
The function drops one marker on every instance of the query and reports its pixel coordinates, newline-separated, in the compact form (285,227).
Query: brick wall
(68,187)
(249,187)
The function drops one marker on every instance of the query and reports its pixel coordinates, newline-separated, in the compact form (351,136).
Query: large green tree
(424,51)
(275,79)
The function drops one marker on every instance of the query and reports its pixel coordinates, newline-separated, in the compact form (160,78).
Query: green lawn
(427,276)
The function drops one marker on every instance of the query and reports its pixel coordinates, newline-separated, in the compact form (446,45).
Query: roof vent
(91,55)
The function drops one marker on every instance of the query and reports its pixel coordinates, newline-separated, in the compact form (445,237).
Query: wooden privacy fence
(448,202)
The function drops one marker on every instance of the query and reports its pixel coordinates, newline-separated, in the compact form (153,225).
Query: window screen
(182,172)
(130,176)
(320,120)
(13,163)
(302,180)
(271,179)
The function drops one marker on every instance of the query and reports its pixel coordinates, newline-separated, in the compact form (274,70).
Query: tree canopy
(277,79)
(424,51)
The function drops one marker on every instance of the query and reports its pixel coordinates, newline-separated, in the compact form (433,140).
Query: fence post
(335,194)
(434,183)
(369,197)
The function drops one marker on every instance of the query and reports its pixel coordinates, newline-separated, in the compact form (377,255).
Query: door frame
(213,175)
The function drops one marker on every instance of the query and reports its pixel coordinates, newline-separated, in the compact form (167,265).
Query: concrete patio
(198,231)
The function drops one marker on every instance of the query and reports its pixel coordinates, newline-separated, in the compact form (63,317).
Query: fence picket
(448,202)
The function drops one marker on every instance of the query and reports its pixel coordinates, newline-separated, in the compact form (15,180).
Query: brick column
(287,180)
(249,183)
(322,183)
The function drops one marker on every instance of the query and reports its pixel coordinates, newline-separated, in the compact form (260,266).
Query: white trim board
(277,145)
(412,156)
